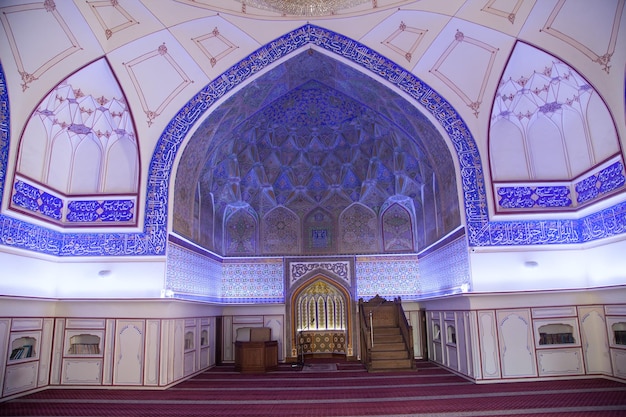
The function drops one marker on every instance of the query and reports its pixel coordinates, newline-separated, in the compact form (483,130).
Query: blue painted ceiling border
(153,240)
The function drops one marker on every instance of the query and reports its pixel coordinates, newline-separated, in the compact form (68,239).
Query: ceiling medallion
(304,7)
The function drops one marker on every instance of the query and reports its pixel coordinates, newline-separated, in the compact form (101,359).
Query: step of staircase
(392,338)
(386,330)
(389,352)
(390,364)
(388,346)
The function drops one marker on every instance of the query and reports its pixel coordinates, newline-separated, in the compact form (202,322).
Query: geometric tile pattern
(446,270)
(396,276)
(153,241)
(253,282)
(190,272)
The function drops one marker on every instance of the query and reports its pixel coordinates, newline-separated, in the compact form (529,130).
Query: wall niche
(619,333)
(556,334)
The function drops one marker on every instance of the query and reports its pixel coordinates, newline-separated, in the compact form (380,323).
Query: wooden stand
(256,356)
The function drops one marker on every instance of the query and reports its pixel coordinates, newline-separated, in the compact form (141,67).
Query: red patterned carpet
(334,389)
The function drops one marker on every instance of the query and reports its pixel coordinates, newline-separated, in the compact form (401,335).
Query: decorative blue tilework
(153,239)
(446,270)
(253,281)
(607,180)
(65,210)
(388,277)
(590,188)
(527,197)
(100,211)
(33,199)
(192,273)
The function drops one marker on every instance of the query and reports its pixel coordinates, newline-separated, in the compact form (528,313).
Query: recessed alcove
(556,334)
(84,344)
(189,344)
(619,333)
(451,334)
(436,332)
(22,348)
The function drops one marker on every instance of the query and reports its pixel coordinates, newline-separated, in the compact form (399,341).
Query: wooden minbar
(255,351)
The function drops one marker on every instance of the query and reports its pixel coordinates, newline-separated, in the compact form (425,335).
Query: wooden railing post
(366,347)
(405,328)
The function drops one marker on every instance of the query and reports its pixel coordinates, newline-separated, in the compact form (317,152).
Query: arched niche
(321,318)
(358,230)
(280,232)
(240,231)
(397,224)
(350,149)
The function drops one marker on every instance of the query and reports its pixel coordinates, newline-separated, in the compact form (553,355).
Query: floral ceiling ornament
(304,7)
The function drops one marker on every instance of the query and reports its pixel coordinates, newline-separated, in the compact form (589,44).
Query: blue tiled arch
(153,240)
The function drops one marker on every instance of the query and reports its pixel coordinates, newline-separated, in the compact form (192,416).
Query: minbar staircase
(385,335)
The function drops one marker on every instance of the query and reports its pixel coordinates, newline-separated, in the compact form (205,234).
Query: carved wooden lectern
(255,351)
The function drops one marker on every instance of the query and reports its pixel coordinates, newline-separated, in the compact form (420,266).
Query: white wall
(530,269)
(81,278)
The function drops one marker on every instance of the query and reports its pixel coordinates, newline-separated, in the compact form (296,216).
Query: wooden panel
(488,344)
(516,343)
(26,324)
(46,349)
(189,363)
(82,371)
(129,348)
(594,340)
(20,377)
(178,349)
(256,356)
(228,353)
(109,350)
(205,357)
(553,362)
(615,310)
(151,371)
(5,325)
(618,358)
(57,352)
(547,312)
(167,366)
(73,323)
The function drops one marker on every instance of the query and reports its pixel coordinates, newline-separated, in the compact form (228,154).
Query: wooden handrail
(393,313)
(366,347)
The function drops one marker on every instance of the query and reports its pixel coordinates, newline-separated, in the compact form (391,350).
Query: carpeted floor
(334,389)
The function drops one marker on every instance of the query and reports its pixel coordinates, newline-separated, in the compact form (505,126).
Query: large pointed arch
(604,223)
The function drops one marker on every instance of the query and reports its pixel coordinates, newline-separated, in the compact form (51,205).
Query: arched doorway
(321,318)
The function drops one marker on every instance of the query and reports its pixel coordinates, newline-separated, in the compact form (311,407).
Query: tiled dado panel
(253,281)
(388,277)
(446,269)
(192,273)
(153,239)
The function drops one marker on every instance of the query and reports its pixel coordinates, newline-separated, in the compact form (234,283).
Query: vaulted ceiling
(469,110)
(316,133)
